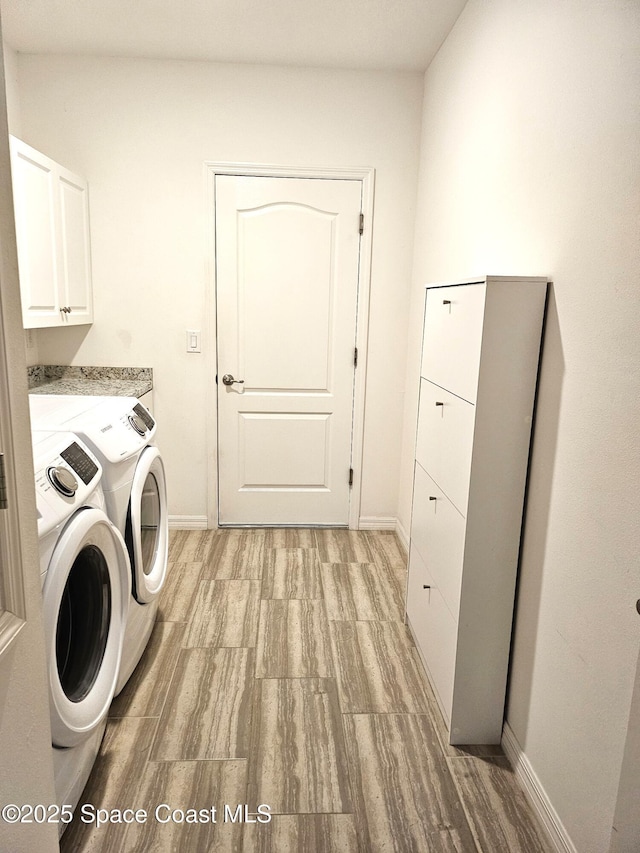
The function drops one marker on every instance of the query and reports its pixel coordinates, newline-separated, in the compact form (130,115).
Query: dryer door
(85,601)
(148,526)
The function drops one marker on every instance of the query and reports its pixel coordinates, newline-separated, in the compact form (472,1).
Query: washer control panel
(66,476)
(80,462)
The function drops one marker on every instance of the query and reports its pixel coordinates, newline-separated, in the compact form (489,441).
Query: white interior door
(287,256)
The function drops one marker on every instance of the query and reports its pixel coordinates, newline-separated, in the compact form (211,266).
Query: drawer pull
(446,302)
(439,404)
(425,586)
(433,498)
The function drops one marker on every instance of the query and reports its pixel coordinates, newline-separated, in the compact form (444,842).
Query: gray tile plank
(376,670)
(298,762)
(497,810)
(207,712)
(145,692)
(361,591)
(225,613)
(404,796)
(193,787)
(178,592)
(114,783)
(321,833)
(291,573)
(293,639)
(386,550)
(336,545)
(289,537)
(237,554)
(191,546)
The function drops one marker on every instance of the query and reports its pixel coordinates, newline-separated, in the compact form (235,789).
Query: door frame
(367,177)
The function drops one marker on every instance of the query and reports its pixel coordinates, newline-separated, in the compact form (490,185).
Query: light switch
(193,340)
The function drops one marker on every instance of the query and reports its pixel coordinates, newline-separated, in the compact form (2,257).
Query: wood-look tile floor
(280,673)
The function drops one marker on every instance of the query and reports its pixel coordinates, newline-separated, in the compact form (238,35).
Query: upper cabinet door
(75,268)
(34,195)
(52,231)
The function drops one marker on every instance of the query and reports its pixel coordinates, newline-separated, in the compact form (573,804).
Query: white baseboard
(188,522)
(375,522)
(402,535)
(535,793)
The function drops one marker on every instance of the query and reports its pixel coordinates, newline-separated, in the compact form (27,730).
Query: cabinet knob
(446,302)
(425,586)
(439,404)
(433,498)
(66,310)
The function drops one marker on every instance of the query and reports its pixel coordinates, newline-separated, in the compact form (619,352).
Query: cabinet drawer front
(452,338)
(434,629)
(445,441)
(437,532)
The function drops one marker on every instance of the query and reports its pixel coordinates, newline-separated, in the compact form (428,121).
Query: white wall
(140,131)
(530,163)
(26,765)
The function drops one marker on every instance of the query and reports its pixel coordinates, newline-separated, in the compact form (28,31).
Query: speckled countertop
(92,381)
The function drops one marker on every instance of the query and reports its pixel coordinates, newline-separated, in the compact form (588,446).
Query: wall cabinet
(52,230)
(480,355)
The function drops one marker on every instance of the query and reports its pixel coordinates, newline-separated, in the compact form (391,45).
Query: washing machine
(120,431)
(86,587)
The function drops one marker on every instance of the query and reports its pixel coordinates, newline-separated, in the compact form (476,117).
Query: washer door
(148,526)
(86,601)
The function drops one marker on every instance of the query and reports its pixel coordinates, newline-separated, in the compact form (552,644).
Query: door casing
(367,177)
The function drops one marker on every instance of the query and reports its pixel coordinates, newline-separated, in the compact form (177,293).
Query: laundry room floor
(280,673)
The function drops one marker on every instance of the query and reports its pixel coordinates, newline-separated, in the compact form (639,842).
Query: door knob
(228,379)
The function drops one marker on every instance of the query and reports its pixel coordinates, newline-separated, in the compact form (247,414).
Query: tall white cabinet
(52,231)
(481,347)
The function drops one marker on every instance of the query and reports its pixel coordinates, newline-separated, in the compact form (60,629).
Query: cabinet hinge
(355,356)
(351,476)
(362,223)
(4,502)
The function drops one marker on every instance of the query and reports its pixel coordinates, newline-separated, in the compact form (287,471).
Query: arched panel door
(287,263)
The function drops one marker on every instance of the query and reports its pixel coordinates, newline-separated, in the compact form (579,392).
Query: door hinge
(362,223)
(4,501)
(355,356)
(351,476)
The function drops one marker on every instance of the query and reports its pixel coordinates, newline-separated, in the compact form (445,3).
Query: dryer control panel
(116,430)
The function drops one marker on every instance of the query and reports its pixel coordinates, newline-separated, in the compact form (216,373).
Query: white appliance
(86,583)
(120,431)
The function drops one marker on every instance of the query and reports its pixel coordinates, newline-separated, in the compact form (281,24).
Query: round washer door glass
(147,533)
(149,523)
(83,623)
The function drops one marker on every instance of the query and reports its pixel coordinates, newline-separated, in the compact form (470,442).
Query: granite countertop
(91,381)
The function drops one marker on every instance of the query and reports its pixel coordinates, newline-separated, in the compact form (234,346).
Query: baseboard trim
(403,536)
(375,522)
(535,793)
(188,522)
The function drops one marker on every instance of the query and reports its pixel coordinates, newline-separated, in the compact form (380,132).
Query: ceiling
(366,34)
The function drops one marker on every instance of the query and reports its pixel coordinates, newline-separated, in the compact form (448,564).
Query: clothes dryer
(121,431)
(86,583)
